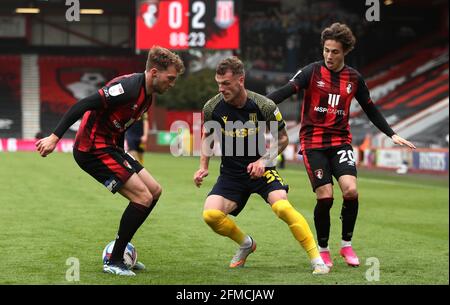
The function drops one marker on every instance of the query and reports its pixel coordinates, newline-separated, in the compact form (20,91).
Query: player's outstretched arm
(282,93)
(375,116)
(380,122)
(300,81)
(400,141)
(47,145)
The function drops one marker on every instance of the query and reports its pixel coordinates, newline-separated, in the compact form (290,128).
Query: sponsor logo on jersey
(253,117)
(240,133)
(116,90)
(330,111)
(333,99)
(224,119)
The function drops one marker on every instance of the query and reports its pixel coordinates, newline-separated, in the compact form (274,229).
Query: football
(129,256)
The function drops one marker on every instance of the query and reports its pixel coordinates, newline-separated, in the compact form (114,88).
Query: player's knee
(325,191)
(350,193)
(157,192)
(144,197)
(213,217)
(282,208)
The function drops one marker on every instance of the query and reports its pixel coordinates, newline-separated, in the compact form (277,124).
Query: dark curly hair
(341,33)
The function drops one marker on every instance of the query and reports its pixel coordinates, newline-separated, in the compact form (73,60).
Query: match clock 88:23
(184,24)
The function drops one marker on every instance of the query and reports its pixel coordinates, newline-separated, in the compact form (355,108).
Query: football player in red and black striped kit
(329,87)
(98,148)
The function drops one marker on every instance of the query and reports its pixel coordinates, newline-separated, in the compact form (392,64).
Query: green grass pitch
(50,211)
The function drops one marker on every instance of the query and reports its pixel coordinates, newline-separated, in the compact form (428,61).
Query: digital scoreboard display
(185,24)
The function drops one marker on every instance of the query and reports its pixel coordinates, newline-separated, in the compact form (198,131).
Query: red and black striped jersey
(325,109)
(124,101)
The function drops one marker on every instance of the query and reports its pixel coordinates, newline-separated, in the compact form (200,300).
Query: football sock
(298,226)
(345,243)
(349,213)
(150,208)
(223,225)
(248,241)
(322,220)
(317,260)
(132,218)
(326,249)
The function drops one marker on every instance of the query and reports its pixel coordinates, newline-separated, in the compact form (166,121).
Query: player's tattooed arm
(257,168)
(276,148)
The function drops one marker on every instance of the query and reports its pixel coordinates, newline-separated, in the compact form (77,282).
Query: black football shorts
(112,167)
(239,188)
(323,164)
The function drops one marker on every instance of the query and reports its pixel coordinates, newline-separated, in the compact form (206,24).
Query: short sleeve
(273,114)
(208,110)
(270,111)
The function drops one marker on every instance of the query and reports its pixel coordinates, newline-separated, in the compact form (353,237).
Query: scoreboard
(185,24)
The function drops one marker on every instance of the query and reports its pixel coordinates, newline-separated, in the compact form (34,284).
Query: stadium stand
(66,80)
(275,36)
(434,136)
(406,89)
(10,104)
(407,72)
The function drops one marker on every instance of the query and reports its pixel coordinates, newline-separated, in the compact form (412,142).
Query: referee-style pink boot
(349,256)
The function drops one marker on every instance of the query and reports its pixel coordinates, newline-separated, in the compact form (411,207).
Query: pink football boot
(349,256)
(326,257)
